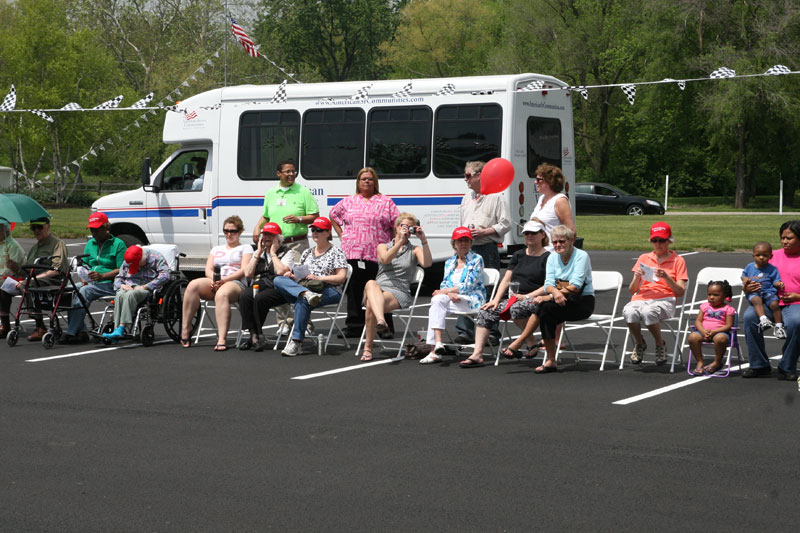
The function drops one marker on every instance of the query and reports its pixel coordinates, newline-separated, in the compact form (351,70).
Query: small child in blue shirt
(760,271)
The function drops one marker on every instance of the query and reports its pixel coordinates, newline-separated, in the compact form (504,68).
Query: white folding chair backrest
(491,276)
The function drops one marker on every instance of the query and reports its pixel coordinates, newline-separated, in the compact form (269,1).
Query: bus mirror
(155,187)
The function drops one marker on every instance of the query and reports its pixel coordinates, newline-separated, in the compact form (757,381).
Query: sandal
(711,369)
(186,342)
(510,353)
(381,327)
(366,355)
(430,358)
(220,347)
(533,352)
(542,369)
(471,363)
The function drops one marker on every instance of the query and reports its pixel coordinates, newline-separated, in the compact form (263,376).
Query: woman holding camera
(391,288)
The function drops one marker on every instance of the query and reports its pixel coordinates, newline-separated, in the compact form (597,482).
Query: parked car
(603,198)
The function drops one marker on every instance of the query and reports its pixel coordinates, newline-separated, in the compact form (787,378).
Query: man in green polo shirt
(106,254)
(293,208)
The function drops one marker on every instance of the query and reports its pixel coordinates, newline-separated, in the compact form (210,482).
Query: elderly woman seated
(569,294)
(526,269)
(461,290)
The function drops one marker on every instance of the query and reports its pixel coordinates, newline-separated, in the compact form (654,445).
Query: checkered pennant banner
(10,101)
(109,104)
(143,102)
(280,94)
(41,114)
(581,89)
(681,83)
(362,93)
(72,106)
(723,72)
(533,86)
(447,90)
(404,92)
(630,92)
(777,70)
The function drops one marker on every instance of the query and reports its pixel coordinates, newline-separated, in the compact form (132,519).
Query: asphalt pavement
(127,438)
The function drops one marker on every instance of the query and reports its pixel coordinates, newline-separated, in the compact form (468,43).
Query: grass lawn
(721,233)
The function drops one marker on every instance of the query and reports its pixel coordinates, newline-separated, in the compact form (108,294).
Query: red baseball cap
(272,227)
(133,256)
(97,219)
(322,223)
(661,230)
(461,232)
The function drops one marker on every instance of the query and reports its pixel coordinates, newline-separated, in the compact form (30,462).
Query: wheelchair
(164,305)
(37,297)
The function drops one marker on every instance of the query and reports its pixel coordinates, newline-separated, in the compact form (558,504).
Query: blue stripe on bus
(236,202)
(153,213)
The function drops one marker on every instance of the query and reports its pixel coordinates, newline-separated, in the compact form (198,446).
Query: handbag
(416,350)
(505,314)
(315,285)
(572,297)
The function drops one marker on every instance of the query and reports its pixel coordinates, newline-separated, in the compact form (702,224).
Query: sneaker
(310,329)
(118,332)
(439,349)
(780,331)
(661,354)
(292,348)
(285,329)
(261,345)
(638,353)
(430,358)
(764,323)
(312,297)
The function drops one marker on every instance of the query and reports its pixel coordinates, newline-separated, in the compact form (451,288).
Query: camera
(412,230)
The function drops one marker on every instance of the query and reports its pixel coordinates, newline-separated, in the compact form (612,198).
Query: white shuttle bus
(231,139)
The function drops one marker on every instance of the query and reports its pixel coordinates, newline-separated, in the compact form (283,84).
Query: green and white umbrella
(20,208)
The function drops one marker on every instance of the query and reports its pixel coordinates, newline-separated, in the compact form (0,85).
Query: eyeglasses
(37,227)
(230,231)
(659,241)
(559,241)
(470,176)
(290,171)
(315,229)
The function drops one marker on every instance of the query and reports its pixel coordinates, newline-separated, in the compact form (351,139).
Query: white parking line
(87,352)
(349,368)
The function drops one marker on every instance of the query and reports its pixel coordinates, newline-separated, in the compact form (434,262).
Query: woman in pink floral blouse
(363,221)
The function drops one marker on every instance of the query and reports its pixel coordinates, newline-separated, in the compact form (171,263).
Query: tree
(338,39)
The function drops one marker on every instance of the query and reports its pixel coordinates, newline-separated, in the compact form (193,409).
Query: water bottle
(255,289)
(320,339)
(217,276)
(798,384)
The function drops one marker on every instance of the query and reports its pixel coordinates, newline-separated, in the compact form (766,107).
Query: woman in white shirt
(552,209)
(223,283)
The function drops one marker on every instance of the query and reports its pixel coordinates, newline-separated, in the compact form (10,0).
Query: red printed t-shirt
(674,265)
(789,269)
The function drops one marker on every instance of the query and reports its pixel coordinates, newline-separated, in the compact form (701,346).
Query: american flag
(241,36)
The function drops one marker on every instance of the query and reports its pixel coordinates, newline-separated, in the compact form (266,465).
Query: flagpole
(227,37)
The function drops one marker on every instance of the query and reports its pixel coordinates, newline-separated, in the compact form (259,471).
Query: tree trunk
(741,169)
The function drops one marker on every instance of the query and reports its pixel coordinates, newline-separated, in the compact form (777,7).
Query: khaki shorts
(649,312)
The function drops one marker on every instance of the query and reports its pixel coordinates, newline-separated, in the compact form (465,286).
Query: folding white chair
(327,315)
(405,316)
(204,306)
(734,278)
(491,278)
(673,325)
(602,281)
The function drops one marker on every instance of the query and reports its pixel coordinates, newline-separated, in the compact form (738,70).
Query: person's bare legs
(378,302)
(655,330)
(696,346)
(530,326)
(721,341)
(481,335)
(225,296)
(196,290)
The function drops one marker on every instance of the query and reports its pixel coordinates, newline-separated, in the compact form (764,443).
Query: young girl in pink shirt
(713,324)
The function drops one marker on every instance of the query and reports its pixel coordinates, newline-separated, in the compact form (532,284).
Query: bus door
(179,212)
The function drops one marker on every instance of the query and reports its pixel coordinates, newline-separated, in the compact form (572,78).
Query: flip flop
(510,353)
(697,372)
(708,371)
(220,347)
(185,343)
(545,369)
(366,356)
(533,352)
(471,363)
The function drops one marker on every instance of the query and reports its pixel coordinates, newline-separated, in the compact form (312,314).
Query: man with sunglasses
(293,208)
(46,246)
(486,215)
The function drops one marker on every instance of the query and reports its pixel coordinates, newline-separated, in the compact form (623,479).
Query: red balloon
(13,225)
(496,176)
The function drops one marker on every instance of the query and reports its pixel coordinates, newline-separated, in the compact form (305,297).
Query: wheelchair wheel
(12,338)
(49,340)
(171,312)
(147,335)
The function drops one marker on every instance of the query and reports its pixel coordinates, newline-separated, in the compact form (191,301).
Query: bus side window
(266,137)
(333,143)
(461,133)
(399,141)
(544,143)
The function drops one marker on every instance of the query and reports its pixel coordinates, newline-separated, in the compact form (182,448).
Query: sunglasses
(230,231)
(470,176)
(37,227)
(533,232)
(659,241)
(317,230)
(559,241)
